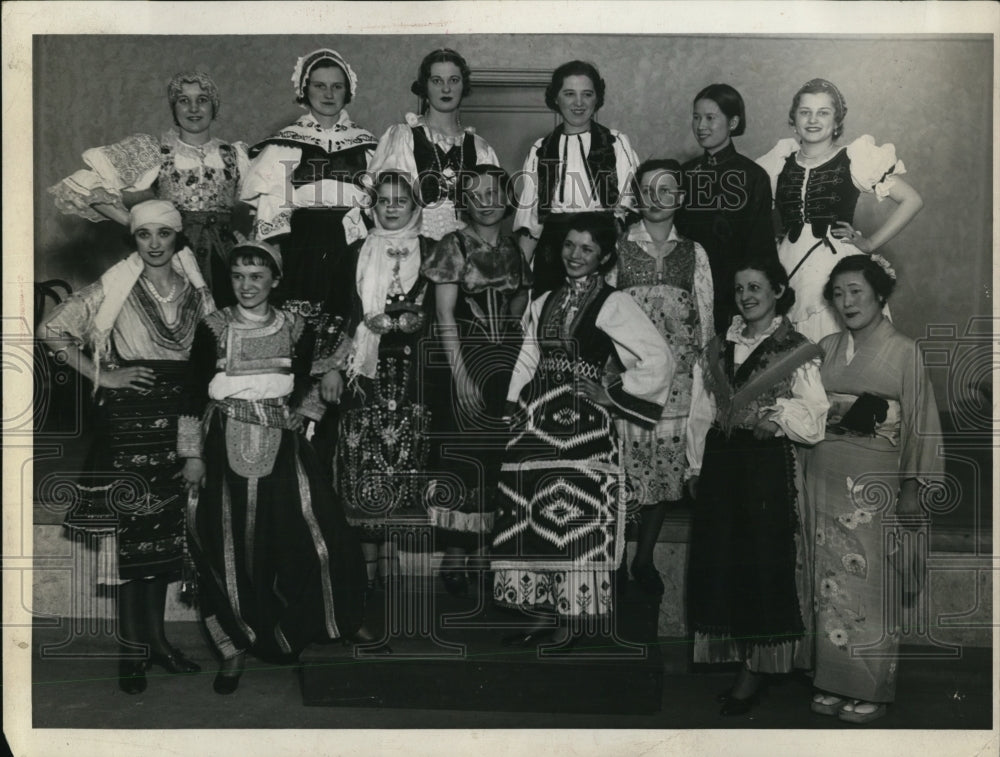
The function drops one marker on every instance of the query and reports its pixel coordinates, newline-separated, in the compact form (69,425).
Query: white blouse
(801,417)
(649,364)
(268,185)
(577,195)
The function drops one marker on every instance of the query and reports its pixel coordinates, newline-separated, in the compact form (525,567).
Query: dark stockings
(650,523)
(141,610)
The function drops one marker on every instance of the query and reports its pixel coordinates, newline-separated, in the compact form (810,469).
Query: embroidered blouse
(307,166)
(647,359)
(196,178)
(572,191)
(801,416)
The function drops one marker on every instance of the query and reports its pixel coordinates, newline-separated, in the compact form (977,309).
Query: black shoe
(132,676)
(733,706)
(723,696)
(174,662)
(227,680)
(455,582)
(648,578)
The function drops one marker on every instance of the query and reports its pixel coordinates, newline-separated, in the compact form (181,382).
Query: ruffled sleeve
(802,417)
(527,359)
(626,163)
(242,164)
(394,152)
(112,169)
(445,263)
(526,215)
(874,167)
(73,319)
(774,161)
(704,294)
(484,152)
(267,188)
(700,418)
(640,392)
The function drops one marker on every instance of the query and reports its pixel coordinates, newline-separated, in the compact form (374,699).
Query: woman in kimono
(757,395)
(862,483)
(559,532)
(481,285)
(432,148)
(670,279)
(278,565)
(383,441)
(136,324)
(728,207)
(187,166)
(582,166)
(816,184)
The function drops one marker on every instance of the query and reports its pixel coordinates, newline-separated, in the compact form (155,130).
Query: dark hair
(443,55)
(669,165)
(249,255)
(180,242)
(777,277)
(818,87)
(730,102)
(325,63)
(396,179)
(602,229)
(486,170)
(874,274)
(574,68)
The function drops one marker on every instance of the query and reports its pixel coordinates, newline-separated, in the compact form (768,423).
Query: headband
(158,212)
(260,245)
(305,64)
(831,89)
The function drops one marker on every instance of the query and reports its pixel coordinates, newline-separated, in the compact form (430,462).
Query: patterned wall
(931,97)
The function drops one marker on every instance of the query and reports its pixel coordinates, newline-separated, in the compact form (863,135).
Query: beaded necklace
(154,293)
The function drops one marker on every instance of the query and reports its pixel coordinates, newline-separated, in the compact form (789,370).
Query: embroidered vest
(429,158)
(601,165)
(830,196)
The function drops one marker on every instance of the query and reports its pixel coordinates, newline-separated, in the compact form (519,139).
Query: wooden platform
(447,654)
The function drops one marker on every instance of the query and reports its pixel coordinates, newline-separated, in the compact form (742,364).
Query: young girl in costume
(481,283)
(670,279)
(559,532)
(279,567)
(383,441)
(757,393)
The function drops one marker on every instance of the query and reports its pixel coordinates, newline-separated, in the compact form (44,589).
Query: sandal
(826,704)
(849,712)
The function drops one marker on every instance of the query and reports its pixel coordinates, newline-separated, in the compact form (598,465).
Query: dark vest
(602,170)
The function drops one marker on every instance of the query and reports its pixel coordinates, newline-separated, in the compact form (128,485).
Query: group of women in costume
(378,352)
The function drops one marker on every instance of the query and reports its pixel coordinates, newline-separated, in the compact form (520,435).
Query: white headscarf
(305,65)
(374,277)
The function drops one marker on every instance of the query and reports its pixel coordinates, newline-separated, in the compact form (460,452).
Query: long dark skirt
(128,487)
(741,577)
(278,565)
(318,273)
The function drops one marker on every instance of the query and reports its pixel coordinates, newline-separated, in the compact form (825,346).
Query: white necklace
(157,296)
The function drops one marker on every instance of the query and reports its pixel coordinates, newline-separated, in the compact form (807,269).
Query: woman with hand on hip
(196,172)
(130,333)
(817,183)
